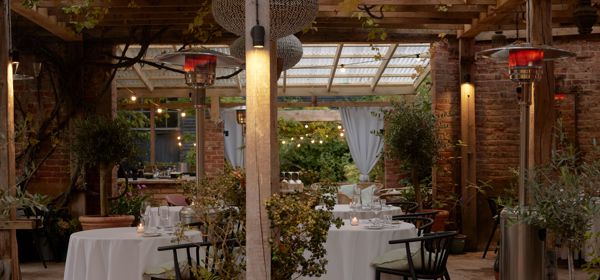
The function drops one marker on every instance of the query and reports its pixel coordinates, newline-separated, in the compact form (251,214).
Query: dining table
(117,253)
(351,249)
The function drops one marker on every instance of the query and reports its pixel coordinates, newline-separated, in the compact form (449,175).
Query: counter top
(157,181)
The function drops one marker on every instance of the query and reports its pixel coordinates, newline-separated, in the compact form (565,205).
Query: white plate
(151,234)
(374,227)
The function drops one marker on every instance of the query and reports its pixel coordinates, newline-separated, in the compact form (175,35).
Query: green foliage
(99,140)
(84,16)
(562,194)
(32,202)
(322,154)
(201,28)
(130,201)
(592,267)
(300,231)
(220,203)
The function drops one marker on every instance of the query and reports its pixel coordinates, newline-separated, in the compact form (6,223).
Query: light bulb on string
(292,139)
(312,141)
(301,137)
(326,136)
(178,137)
(339,127)
(179,144)
(283,142)
(194,144)
(298,145)
(133,98)
(320,141)
(341,134)
(306,126)
(183,114)
(342,68)
(159,110)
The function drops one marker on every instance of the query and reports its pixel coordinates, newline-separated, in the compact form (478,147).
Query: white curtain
(365,147)
(232,132)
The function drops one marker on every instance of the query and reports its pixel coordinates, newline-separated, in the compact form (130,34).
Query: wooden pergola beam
(49,23)
(384,63)
(336,60)
(341,90)
(188,105)
(503,8)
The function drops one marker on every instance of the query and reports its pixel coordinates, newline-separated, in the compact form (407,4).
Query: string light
(183,114)
(178,137)
(292,139)
(341,134)
(339,127)
(283,142)
(298,145)
(312,141)
(194,144)
(306,126)
(326,136)
(342,68)
(301,137)
(133,97)
(320,141)
(179,144)
(159,110)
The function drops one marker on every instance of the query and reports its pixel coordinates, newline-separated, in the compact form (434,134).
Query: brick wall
(215,149)
(497,109)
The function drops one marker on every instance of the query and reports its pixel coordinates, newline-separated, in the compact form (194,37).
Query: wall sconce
(240,116)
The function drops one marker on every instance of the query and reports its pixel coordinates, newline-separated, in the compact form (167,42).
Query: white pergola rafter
(336,60)
(384,63)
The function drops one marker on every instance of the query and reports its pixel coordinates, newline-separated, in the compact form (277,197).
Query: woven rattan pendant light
(287,16)
(289,50)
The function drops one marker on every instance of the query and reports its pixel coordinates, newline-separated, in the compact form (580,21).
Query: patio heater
(200,66)
(521,249)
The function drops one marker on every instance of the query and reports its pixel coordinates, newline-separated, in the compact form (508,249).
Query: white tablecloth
(153,219)
(350,249)
(116,253)
(343,211)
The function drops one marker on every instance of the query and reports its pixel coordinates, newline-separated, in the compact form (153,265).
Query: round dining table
(344,212)
(117,253)
(351,249)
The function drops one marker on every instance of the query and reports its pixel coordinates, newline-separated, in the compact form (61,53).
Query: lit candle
(140,228)
(354,221)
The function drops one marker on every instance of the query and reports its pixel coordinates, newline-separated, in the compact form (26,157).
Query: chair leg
(446,275)
(487,246)
(377,275)
(38,247)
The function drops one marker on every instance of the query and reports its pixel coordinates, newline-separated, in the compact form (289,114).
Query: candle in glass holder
(354,221)
(140,228)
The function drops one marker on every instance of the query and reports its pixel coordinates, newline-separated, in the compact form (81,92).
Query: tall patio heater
(522,249)
(200,66)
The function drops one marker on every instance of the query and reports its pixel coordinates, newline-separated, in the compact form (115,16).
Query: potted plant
(562,197)
(103,143)
(410,135)
(32,202)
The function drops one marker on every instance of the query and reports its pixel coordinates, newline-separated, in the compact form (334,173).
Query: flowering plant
(129,201)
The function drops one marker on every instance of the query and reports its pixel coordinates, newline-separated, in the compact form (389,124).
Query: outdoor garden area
(299,139)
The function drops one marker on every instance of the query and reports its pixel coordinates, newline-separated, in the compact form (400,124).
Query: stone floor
(468,266)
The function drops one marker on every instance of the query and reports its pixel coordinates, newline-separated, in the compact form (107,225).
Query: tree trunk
(104,170)
(570,262)
(417,188)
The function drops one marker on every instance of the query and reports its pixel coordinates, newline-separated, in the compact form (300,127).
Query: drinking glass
(144,212)
(376,206)
(163,214)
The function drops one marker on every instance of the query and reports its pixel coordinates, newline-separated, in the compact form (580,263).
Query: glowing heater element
(525,65)
(200,69)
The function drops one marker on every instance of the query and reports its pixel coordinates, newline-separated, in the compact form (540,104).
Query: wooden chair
(430,215)
(207,262)
(422,224)
(408,207)
(428,263)
(496,220)
(176,200)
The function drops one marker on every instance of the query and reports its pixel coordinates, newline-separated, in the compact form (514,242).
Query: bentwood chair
(496,220)
(430,215)
(425,259)
(408,207)
(422,224)
(212,254)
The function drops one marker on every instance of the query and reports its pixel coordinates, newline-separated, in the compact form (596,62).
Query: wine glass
(163,214)
(283,179)
(376,207)
(144,212)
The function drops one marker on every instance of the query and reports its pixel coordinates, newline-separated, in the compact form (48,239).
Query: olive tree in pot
(101,142)
(411,136)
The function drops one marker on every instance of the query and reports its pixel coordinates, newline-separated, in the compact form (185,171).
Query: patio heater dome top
(200,64)
(178,57)
(525,61)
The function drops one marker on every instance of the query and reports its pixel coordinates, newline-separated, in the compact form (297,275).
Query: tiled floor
(469,266)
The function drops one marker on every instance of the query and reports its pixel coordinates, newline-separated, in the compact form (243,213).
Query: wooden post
(468,149)
(199,99)
(542,112)
(152,136)
(9,253)
(261,153)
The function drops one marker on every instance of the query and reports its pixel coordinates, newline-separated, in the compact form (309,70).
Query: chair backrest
(430,215)
(406,206)
(434,249)
(176,199)
(422,224)
(212,252)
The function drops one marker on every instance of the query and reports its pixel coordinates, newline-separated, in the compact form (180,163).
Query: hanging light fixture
(525,61)
(585,16)
(289,50)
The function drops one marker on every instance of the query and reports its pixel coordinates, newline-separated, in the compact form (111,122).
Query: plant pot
(439,224)
(96,222)
(457,246)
